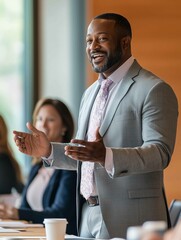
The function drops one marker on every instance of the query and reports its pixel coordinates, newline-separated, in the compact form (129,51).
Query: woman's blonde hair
(5,148)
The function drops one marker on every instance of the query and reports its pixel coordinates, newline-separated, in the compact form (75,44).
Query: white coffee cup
(55,228)
(134,233)
(155,226)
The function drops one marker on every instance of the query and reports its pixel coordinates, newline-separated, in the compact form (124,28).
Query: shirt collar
(120,72)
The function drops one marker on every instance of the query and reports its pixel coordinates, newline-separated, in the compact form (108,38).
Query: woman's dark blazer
(59,199)
(8,179)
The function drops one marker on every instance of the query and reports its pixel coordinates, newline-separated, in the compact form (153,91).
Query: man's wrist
(48,152)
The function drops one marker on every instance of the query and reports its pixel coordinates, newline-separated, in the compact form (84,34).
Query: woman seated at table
(49,193)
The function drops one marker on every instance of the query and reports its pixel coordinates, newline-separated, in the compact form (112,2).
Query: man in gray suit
(133,144)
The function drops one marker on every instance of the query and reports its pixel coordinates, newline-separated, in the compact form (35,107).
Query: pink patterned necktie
(87,181)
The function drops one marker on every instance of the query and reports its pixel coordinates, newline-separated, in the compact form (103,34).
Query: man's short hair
(121,22)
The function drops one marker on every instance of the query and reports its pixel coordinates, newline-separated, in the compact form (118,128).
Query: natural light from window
(11,70)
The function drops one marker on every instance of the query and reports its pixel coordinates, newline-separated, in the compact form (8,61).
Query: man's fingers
(18,134)
(18,138)
(32,128)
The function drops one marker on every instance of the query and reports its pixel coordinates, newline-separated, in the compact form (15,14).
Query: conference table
(20,229)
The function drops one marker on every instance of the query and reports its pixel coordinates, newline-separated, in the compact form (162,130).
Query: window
(13,83)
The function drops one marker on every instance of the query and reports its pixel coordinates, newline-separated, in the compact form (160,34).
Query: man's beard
(110,61)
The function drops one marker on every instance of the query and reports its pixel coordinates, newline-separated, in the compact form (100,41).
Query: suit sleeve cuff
(48,161)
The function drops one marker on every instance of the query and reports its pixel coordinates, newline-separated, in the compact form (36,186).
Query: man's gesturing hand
(91,151)
(34,144)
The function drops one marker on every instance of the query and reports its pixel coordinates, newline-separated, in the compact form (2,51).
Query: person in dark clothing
(10,171)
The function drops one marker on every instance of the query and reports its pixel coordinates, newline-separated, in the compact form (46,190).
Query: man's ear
(126,42)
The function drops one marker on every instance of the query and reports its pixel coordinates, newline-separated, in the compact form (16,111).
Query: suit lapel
(124,87)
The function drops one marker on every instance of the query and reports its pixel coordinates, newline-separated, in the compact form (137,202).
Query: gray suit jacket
(140,128)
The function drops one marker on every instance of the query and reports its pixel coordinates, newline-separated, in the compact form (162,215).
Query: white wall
(62,51)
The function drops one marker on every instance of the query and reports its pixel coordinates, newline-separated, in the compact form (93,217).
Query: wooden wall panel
(156,45)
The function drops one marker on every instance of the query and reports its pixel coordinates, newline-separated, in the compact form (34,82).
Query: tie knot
(105,85)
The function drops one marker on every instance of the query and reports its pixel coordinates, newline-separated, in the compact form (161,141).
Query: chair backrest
(175,211)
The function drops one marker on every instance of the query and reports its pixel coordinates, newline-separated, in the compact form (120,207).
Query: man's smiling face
(103,46)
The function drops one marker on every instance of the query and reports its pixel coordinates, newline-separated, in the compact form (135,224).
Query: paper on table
(5,230)
(17,224)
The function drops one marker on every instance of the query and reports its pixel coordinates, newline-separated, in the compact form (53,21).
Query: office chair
(175,211)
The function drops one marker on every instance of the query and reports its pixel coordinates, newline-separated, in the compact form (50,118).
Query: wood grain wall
(156,45)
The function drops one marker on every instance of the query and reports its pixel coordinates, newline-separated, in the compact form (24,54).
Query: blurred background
(42,54)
